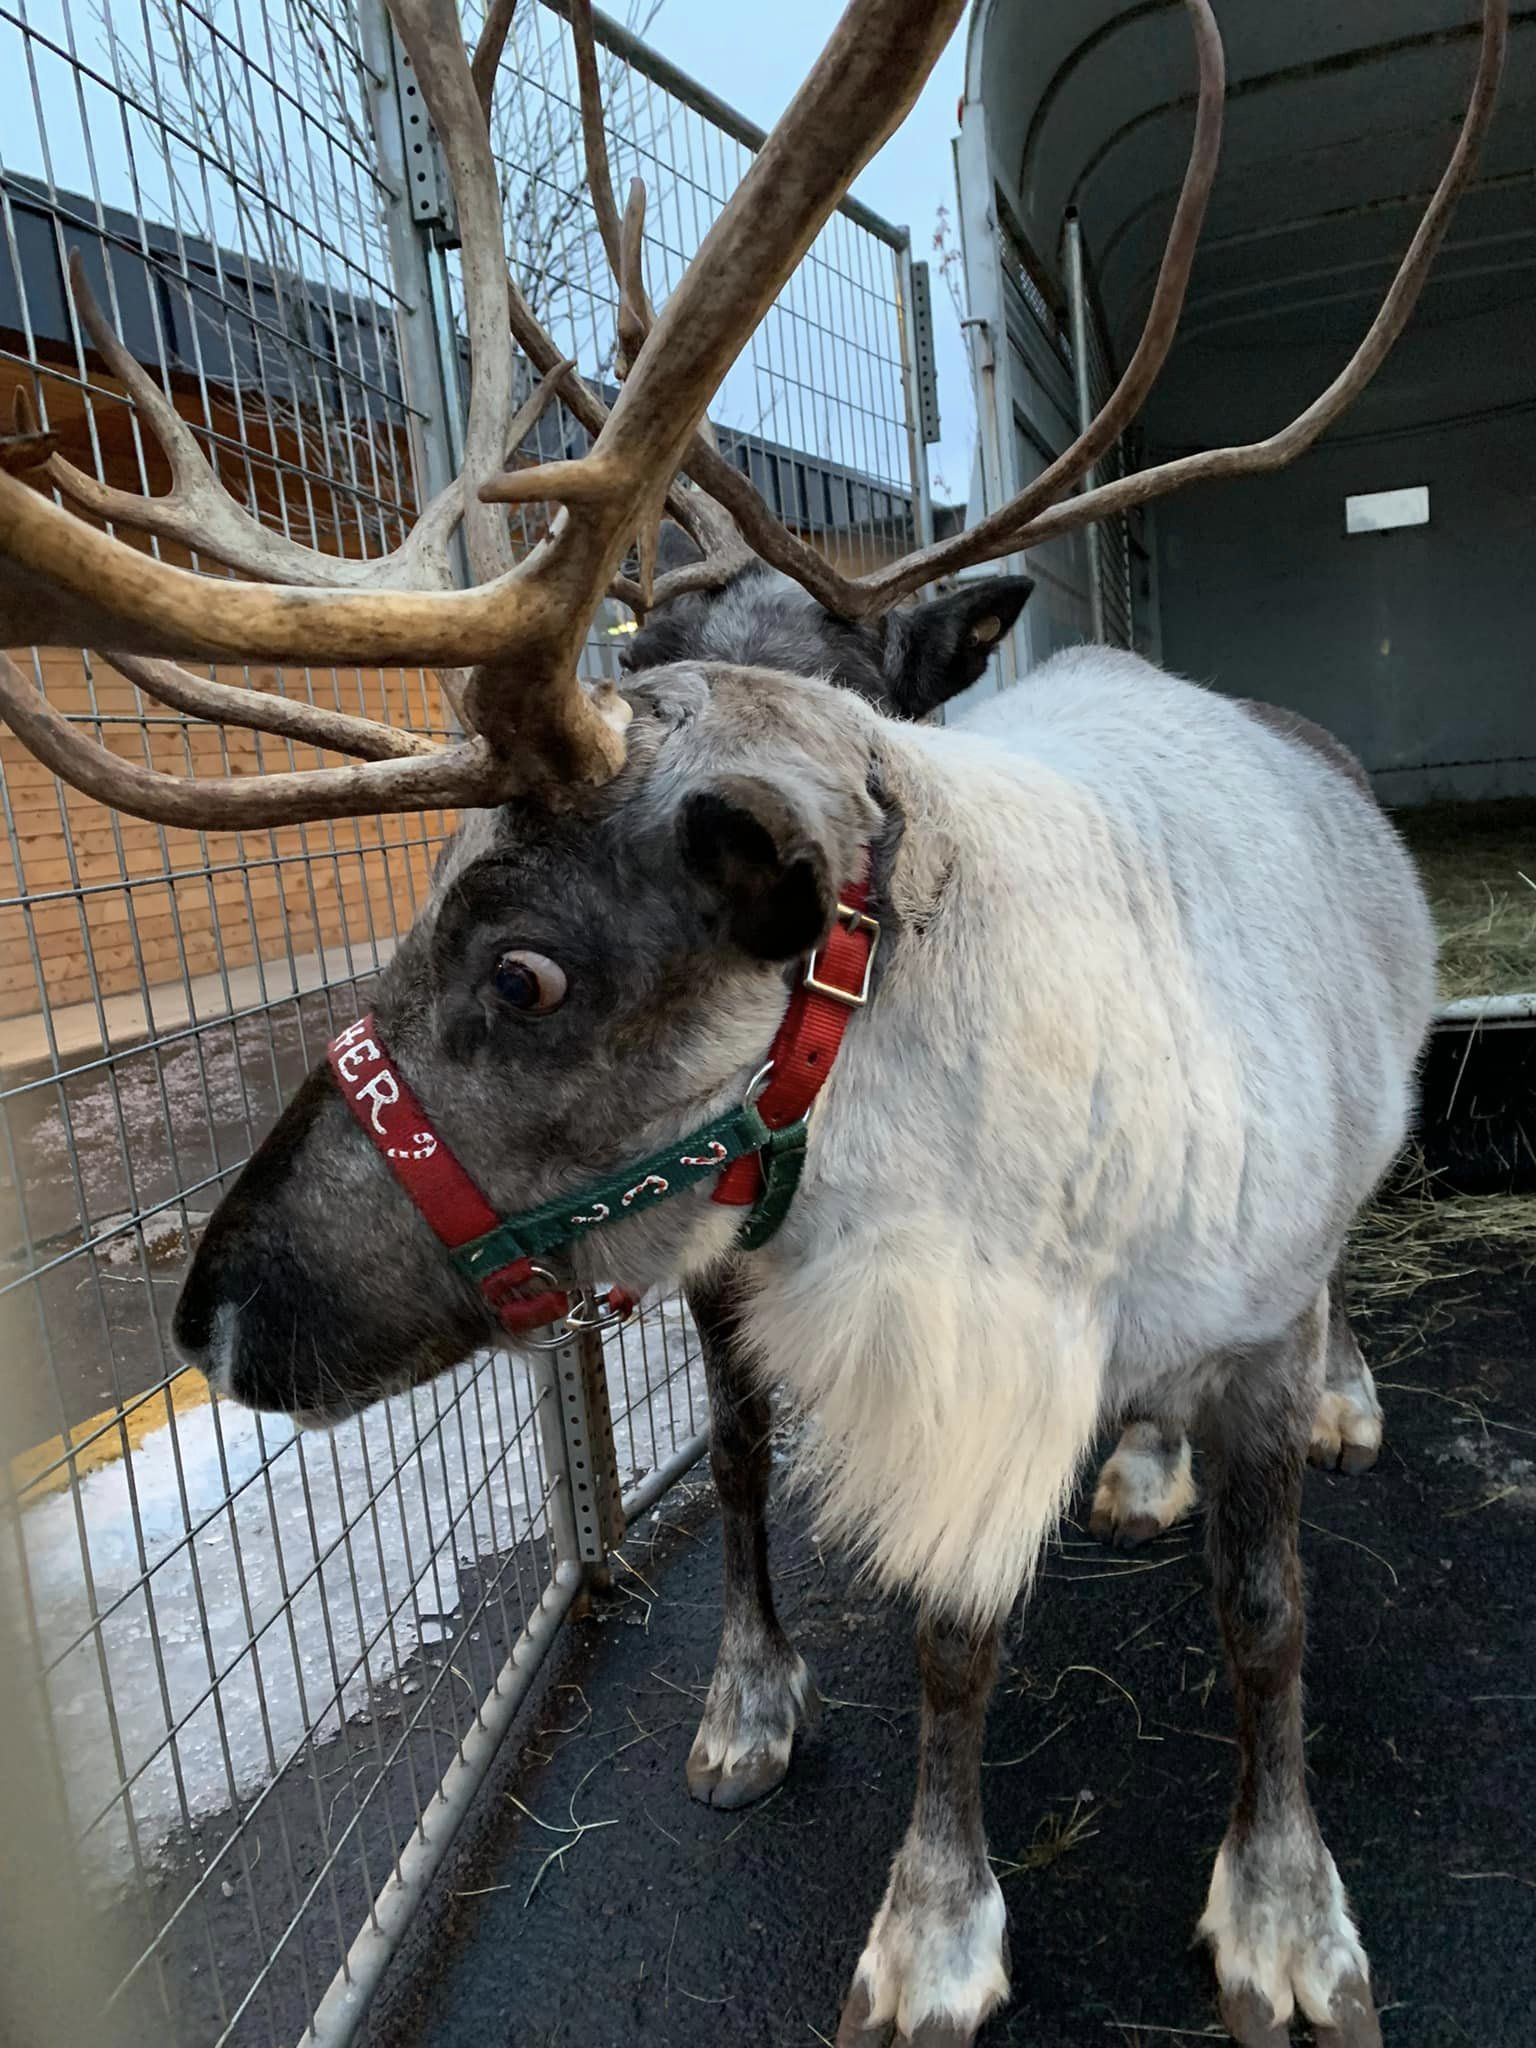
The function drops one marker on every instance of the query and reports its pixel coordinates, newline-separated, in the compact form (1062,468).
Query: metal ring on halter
(606,1318)
(558,1342)
(758,1083)
(576,1322)
(553,1282)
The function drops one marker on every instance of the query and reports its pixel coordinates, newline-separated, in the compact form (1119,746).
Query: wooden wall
(144,905)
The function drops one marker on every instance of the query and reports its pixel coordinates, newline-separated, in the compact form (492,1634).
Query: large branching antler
(198,512)
(1042,511)
(522,626)
(1033,517)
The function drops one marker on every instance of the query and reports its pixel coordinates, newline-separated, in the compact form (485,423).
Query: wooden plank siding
(82,889)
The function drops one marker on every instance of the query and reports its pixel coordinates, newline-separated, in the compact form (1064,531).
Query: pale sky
(724,45)
(71,126)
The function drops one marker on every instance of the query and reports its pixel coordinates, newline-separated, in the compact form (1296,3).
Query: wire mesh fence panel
(260,1651)
(1115,545)
(815,411)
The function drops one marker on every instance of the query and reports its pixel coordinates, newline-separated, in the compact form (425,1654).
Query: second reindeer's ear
(935,650)
(748,842)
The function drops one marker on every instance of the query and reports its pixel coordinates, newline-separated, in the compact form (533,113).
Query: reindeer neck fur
(1143,1041)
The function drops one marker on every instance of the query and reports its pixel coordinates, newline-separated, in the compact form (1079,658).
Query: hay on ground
(1478,864)
(1409,1238)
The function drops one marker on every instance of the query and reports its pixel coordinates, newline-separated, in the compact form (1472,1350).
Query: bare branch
(340,732)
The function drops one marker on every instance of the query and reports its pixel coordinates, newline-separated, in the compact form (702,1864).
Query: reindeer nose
(205,1325)
(192,1325)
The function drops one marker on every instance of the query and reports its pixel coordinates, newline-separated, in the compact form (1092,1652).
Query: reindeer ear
(748,843)
(935,650)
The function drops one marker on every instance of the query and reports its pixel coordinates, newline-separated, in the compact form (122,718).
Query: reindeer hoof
(743,1746)
(738,1780)
(1246,2015)
(1143,1489)
(932,1973)
(1346,1433)
(856,2032)
(1353,2023)
(1285,1946)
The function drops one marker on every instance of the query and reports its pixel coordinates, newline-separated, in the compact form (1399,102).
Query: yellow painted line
(103,1438)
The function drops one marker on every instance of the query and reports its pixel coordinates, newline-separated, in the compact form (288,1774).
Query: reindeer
(911,663)
(951,1069)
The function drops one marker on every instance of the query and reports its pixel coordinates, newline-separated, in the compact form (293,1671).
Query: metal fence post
(423,326)
(907,321)
(586,1516)
(1082,384)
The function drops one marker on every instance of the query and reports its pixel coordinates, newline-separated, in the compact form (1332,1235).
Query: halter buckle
(855,920)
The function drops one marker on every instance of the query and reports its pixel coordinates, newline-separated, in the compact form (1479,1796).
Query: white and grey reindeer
(1152,976)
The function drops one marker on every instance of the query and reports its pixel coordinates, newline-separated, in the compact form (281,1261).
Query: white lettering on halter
(380,1091)
(356,1056)
(352,1032)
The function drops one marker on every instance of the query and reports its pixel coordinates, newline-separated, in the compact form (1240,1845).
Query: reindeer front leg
(1277,1919)
(762,1689)
(935,1966)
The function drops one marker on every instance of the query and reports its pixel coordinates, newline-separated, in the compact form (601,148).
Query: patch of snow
(1512,1478)
(243,1612)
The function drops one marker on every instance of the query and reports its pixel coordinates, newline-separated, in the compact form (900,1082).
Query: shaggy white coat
(1146,1043)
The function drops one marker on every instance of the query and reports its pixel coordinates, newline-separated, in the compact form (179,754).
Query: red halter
(835,983)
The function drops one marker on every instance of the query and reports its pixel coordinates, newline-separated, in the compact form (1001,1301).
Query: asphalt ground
(666,1925)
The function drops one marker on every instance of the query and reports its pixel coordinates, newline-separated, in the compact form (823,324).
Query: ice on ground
(256,1587)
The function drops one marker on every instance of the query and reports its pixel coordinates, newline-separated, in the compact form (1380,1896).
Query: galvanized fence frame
(275,1668)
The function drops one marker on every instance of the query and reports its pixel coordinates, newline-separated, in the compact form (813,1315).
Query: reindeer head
(589,982)
(909,661)
(604,955)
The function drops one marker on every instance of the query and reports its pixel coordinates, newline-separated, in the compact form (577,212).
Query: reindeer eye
(530,983)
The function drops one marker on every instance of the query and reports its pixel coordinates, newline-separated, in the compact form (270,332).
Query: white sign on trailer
(1380,511)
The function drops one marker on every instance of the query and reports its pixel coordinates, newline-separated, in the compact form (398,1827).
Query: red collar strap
(835,983)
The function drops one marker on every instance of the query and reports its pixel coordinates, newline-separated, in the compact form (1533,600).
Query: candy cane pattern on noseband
(423,1148)
(600,1214)
(652,1184)
(715,1156)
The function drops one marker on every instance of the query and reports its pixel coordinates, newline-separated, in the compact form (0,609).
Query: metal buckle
(856,921)
(589,1312)
(586,1316)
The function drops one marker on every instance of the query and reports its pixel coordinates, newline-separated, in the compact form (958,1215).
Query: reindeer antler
(1042,511)
(523,625)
